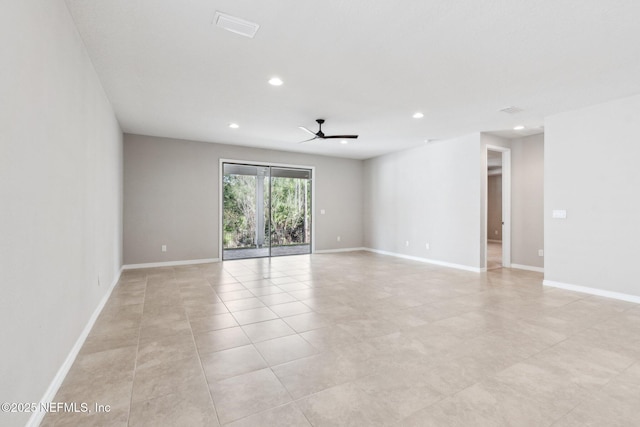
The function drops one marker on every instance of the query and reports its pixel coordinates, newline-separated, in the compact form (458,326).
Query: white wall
(592,170)
(429,194)
(171,197)
(527,200)
(60,189)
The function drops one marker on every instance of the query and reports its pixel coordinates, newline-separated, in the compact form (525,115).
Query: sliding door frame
(221,163)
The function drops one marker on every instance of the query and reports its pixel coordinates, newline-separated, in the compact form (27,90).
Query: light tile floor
(494,255)
(354,339)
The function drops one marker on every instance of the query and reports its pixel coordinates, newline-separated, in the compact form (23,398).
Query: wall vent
(235,25)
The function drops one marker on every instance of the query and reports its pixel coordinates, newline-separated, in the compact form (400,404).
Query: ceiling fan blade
(341,137)
(307,140)
(306,130)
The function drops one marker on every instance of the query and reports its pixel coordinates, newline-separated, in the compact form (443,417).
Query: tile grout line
(135,362)
(274,374)
(254,347)
(538,353)
(280,381)
(206,380)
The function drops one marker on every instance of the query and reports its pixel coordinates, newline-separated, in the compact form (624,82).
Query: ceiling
(363,65)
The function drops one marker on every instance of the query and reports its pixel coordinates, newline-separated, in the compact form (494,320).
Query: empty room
(337,213)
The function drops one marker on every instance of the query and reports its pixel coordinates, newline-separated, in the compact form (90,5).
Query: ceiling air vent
(235,25)
(512,110)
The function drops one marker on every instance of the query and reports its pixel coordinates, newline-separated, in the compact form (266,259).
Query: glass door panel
(245,225)
(290,211)
(266,211)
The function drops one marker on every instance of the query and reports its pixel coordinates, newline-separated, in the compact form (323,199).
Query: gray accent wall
(592,171)
(429,194)
(61,193)
(171,197)
(494,207)
(527,200)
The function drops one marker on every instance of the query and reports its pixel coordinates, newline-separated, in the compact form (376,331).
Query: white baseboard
(428,261)
(50,394)
(528,268)
(593,291)
(331,251)
(494,241)
(170,263)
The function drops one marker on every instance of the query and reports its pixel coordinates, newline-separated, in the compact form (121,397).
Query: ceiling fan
(321,135)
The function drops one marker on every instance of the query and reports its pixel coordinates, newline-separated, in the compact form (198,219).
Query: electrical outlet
(338,238)
(540,252)
(164,248)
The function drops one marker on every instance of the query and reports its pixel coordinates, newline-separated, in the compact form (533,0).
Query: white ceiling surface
(365,66)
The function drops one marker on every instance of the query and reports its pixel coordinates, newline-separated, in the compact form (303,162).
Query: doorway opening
(266,211)
(494,210)
(498,208)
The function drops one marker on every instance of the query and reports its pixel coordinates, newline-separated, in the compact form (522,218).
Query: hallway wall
(427,195)
(61,193)
(591,171)
(527,200)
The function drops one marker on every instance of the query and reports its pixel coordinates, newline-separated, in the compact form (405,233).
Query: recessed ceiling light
(233,125)
(418,115)
(275,81)
(344,141)
(519,127)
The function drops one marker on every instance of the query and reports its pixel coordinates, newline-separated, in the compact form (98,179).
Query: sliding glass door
(290,211)
(266,211)
(245,220)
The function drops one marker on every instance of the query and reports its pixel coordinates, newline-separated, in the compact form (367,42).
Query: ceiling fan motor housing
(320,133)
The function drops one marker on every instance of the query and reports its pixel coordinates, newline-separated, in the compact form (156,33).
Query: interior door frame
(506,205)
(221,163)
